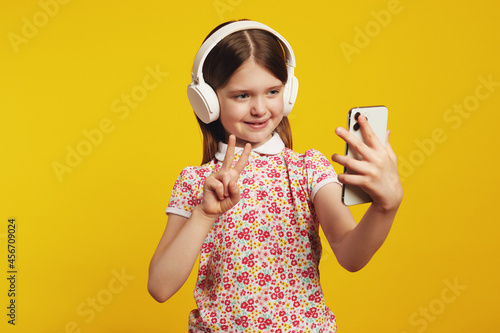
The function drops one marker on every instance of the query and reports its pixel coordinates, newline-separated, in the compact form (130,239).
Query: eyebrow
(237,90)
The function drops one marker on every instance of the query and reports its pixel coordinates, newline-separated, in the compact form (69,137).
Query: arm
(355,244)
(176,254)
(183,238)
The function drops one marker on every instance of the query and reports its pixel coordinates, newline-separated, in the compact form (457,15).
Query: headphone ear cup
(290,94)
(204,102)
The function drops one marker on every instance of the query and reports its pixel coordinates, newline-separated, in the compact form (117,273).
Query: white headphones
(203,98)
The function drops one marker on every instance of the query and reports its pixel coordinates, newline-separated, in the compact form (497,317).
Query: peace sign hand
(377,172)
(220,190)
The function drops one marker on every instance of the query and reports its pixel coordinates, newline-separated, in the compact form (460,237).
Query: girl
(252,210)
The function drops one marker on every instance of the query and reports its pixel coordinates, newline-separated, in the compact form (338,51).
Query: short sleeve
(319,172)
(186,194)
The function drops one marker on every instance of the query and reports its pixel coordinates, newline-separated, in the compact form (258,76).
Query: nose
(258,107)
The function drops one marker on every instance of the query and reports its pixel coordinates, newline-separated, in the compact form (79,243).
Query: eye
(241,96)
(274,92)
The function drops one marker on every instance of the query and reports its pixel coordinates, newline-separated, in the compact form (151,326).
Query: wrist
(200,215)
(385,209)
(390,206)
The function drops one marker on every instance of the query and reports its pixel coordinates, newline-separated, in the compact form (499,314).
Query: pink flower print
(207,247)
(248,181)
(249,261)
(274,208)
(276,250)
(261,195)
(249,217)
(242,321)
(309,273)
(248,306)
(186,187)
(263,235)
(264,323)
(259,163)
(273,174)
(245,234)
(243,278)
(263,279)
(322,177)
(315,297)
(246,193)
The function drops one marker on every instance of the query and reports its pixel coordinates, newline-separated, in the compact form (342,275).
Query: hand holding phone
(377,119)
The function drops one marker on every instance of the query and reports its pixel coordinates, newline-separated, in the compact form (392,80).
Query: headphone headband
(204,99)
(225,31)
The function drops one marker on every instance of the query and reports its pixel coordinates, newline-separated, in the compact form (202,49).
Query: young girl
(253,209)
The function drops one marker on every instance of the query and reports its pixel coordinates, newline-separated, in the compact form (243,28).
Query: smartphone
(377,118)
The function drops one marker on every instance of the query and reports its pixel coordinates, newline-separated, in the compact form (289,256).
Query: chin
(257,141)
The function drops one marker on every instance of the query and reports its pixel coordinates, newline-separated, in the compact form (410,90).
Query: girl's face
(251,104)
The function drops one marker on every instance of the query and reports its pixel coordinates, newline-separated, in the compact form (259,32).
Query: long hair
(224,59)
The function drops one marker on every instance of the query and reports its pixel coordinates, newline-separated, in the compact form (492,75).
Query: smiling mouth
(257,124)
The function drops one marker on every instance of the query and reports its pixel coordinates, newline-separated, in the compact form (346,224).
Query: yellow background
(79,230)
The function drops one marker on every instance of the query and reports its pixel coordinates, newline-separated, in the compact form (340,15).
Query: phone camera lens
(356,116)
(356,126)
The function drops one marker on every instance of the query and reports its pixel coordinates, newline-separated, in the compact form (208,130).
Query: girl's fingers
(377,172)
(352,179)
(226,179)
(226,173)
(366,130)
(353,142)
(222,186)
(215,185)
(366,150)
(229,158)
(351,163)
(242,162)
(230,176)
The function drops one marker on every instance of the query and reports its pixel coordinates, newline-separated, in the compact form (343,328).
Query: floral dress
(258,268)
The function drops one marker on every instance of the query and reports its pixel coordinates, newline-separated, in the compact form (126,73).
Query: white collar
(272,147)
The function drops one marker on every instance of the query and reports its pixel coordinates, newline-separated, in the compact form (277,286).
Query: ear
(290,91)
(204,102)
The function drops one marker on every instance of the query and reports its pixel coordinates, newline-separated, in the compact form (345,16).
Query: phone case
(377,118)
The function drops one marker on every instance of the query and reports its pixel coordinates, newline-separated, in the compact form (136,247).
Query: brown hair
(227,56)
